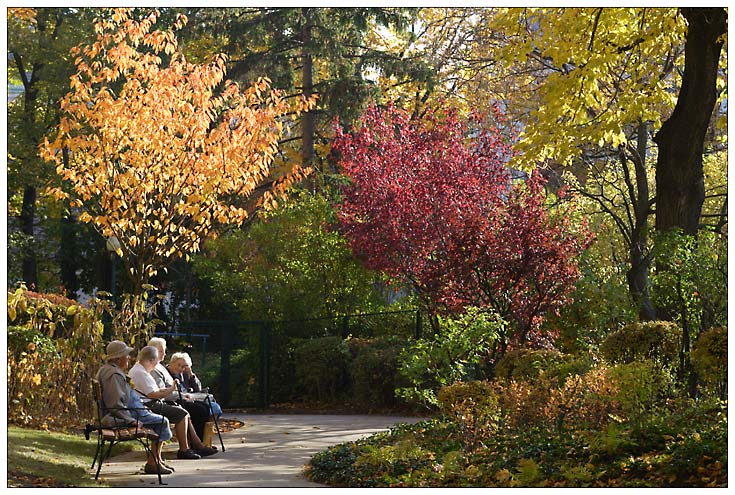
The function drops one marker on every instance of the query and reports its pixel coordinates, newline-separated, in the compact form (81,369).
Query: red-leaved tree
(431,201)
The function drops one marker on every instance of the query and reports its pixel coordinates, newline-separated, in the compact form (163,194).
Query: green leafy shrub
(699,448)
(659,341)
(613,441)
(709,358)
(54,349)
(244,386)
(307,267)
(640,386)
(321,365)
(335,465)
(374,370)
(379,465)
(457,353)
(691,450)
(691,282)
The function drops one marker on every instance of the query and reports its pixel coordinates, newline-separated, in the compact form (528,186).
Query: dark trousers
(199,413)
(174,413)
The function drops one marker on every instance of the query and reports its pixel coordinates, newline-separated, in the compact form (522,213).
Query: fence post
(418,324)
(204,350)
(345,326)
(224,373)
(264,370)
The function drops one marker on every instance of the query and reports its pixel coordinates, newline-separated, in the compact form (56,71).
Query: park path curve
(270,451)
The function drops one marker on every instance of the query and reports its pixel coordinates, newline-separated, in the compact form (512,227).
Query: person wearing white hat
(124,407)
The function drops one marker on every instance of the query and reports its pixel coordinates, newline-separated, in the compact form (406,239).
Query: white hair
(180,355)
(158,342)
(148,352)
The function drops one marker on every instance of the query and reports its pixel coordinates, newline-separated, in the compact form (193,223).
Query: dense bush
(659,341)
(289,265)
(709,358)
(524,364)
(690,284)
(621,430)
(321,365)
(54,349)
(374,370)
(474,407)
(459,352)
(601,301)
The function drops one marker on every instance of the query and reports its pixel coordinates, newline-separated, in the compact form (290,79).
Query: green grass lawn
(38,458)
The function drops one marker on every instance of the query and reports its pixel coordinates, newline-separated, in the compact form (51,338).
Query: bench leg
(103,457)
(97,452)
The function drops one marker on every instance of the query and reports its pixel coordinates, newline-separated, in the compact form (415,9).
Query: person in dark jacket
(179,366)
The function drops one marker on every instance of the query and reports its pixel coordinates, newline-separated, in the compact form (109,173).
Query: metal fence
(255,358)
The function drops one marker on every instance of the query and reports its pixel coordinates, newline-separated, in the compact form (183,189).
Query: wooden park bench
(111,435)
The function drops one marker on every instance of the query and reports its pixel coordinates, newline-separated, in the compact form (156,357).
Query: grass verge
(38,458)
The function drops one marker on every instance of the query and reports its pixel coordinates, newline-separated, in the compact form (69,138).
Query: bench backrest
(97,394)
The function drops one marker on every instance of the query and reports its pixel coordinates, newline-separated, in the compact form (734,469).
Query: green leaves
(597,70)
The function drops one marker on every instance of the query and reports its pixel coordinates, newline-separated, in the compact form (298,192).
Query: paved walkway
(269,451)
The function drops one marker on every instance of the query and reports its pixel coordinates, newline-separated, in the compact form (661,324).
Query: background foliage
(54,349)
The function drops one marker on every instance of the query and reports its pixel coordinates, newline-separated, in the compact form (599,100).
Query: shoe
(187,454)
(148,469)
(206,451)
(167,466)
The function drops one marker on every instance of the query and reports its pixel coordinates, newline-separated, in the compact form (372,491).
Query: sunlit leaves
(597,70)
(162,150)
(429,205)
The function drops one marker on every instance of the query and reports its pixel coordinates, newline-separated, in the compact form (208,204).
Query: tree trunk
(679,174)
(27,217)
(638,279)
(68,255)
(307,121)
(638,283)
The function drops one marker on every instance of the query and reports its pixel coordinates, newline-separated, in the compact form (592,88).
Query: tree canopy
(154,150)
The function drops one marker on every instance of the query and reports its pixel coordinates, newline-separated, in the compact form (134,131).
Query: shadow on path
(269,451)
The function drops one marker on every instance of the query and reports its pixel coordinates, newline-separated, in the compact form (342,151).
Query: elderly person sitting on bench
(124,407)
(179,366)
(153,395)
(198,411)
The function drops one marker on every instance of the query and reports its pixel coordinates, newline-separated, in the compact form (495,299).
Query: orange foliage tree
(155,151)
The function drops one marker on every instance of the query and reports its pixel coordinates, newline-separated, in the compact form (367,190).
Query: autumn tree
(604,81)
(432,202)
(161,151)
(456,46)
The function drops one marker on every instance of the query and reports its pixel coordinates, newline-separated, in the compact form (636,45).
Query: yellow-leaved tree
(156,152)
